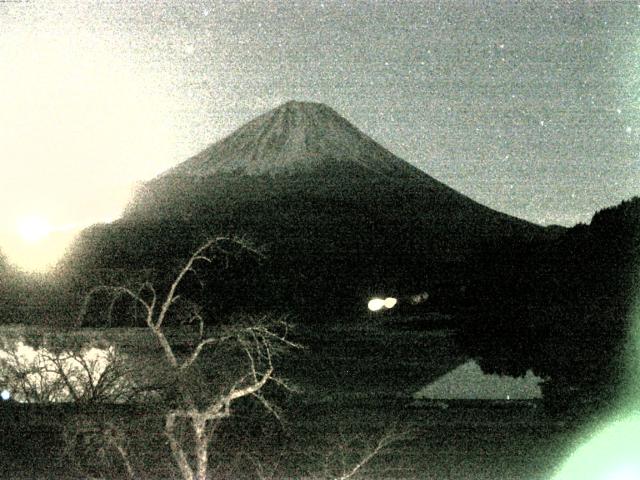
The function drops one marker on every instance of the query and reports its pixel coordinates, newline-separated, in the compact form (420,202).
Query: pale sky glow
(81,122)
(529,109)
(35,245)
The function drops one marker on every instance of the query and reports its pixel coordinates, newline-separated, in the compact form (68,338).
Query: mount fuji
(339,214)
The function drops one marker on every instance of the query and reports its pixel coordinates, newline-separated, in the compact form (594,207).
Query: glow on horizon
(610,453)
(34,245)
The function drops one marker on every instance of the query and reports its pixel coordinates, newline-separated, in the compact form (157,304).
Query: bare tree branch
(113,437)
(197,255)
(384,442)
(198,350)
(115,291)
(270,408)
(60,371)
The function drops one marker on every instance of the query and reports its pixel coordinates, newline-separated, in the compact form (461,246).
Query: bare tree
(176,389)
(50,374)
(187,401)
(367,456)
(29,378)
(347,459)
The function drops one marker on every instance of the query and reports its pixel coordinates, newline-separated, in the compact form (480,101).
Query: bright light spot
(609,454)
(5,395)
(32,229)
(375,304)
(390,302)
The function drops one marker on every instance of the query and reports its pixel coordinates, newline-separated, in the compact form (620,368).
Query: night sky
(531,109)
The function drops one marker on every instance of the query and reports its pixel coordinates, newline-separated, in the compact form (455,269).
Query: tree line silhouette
(561,307)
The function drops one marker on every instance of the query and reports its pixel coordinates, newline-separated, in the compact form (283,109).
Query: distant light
(376,304)
(5,395)
(390,302)
(419,298)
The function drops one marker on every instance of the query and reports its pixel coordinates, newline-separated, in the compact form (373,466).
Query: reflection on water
(42,375)
(468,381)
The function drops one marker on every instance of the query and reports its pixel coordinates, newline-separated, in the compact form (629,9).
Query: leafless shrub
(48,374)
(186,400)
(178,388)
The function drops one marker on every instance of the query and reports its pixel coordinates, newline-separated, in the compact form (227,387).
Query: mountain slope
(307,150)
(293,137)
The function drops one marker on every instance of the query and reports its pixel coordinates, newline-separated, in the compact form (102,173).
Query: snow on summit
(294,136)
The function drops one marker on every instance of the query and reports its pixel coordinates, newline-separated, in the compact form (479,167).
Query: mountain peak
(302,105)
(295,136)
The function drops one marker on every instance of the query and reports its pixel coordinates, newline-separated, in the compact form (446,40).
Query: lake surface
(357,384)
